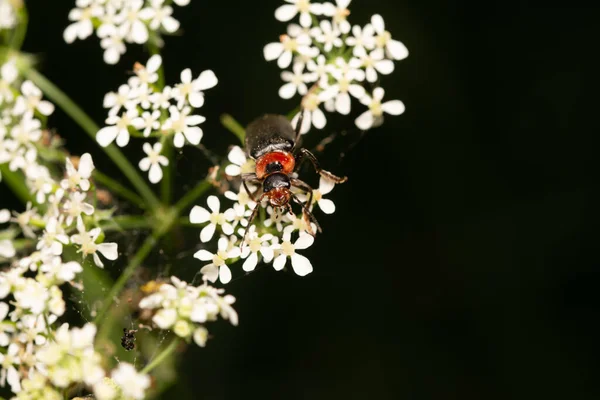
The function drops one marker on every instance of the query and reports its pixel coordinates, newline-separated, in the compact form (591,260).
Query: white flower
(124,97)
(132,384)
(8,18)
(4,216)
(328,35)
(241,164)
(238,214)
(160,14)
(162,99)
(288,11)
(87,242)
(9,373)
(326,205)
(181,2)
(300,264)
(5,326)
(254,245)
(192,89)
(7,249)
(146,74)
(149,121)
(218,267)
(153,162)
(55,269)
(362,39)
(296,81)
(78,177)
(313,115)
(31,295)
(8,74)
(199,215)
(27,130)
(137,31)
(374,62)
(113,46)
(339,93)
(82,27)
(118,129)
(183,126)
(75,206)
(242,197)
(373,117)
(393,48)
(54,238)
(339,13)
(296,41)
(31,100)
(201,336)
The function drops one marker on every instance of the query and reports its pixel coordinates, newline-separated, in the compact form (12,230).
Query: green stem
(86,123)
(119,189)
(18,37)
(166,352)
(191,196)
(16,184)
(234,127)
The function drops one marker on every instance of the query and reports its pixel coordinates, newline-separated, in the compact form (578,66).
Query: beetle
(273,144)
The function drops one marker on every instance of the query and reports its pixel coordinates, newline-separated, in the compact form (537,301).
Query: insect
(273,144)
(128,339)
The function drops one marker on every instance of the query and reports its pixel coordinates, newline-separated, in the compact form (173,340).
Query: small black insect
(272,142)
(128,339)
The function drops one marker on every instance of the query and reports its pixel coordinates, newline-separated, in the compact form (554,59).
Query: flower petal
(224,274)
(86,165)
(286,12)
(236,155)
(203,255)
(213,203)
(301,265)
(248,265)
(279,262)
(155,174)
(326,206)
(397,50)
(193,134)
(272,51)
(107,135)
(393,107)
(365,120)
(207,233)
(199,215)
(304,241)
(210,272)
(109,250)
(287,91)
(326,185)
(378,24)
(206,80)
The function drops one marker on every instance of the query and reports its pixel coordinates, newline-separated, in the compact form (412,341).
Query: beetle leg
(250,193)
(304,186)
(310,215)
(304,154)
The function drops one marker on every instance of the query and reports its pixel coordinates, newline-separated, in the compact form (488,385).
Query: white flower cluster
(8,18)
(32,353)
(69,358)
(146,110)
(333,61)
(117,22)
(269,240)
(185,309)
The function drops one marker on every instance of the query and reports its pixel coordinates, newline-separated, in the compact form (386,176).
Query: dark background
(462,260)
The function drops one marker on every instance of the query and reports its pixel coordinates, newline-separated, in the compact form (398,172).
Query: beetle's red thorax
(286,159)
